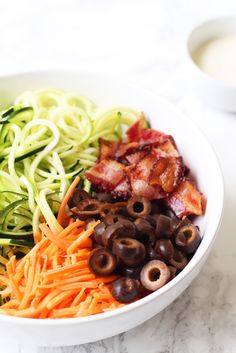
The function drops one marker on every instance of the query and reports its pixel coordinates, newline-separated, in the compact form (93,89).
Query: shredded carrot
(44,314)
(65,312)
(71,227)
(4,280)
(61,213)
(53,273)
(30,281)
(79,297)
(83,236)
(53,237)
(58,299)
(53,279)
(14,288)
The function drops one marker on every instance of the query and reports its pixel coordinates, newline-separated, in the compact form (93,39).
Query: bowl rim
(193,64)
(197,256)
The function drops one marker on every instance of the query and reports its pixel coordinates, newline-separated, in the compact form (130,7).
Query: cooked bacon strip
(139,178)
(167,149)
(107,148)
(152,137)
(143,188)
(123,189)
(135,157)
(133,133)
(147,164)
(145,136)
(185,200)
(144,167)
(107,174)
(125,149)
(167,173)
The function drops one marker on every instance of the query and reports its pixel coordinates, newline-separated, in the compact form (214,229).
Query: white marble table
(142,42)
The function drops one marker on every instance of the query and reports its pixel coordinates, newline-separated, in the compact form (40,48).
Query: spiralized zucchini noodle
(46,138)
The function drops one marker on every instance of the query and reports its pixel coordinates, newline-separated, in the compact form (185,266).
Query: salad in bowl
(100,211)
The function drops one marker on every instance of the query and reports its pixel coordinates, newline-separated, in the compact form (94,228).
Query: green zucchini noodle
(46,138)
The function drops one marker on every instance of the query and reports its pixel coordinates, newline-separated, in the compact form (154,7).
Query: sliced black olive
(113,218)
(125,290)
(170,214)
(164,248)
(138,206)
(188,238)
(151,254)
(87,208)
(154,275)
(130,251)
(78,195)
(98,232)
(165,226)
(111,208)
(123,228)
(183,222)
(173,271)
(144,231)
(150,219)
(156,207)
(179,260)
(132,272)
(102,262)
(112,232)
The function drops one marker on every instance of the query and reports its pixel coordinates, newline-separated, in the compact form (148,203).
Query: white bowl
(198,155)
(215,92)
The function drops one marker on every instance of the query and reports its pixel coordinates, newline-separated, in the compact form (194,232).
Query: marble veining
(203,318)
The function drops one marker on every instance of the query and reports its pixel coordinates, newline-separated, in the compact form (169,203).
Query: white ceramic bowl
(214,92)
(199,157)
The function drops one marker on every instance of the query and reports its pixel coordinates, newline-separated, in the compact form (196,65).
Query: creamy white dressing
(217,58)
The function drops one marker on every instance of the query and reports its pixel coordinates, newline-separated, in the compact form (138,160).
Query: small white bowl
(215,92)
(197,154)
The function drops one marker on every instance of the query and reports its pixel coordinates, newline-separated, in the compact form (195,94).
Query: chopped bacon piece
(167,173)
(147,164)
(143,188)
(135,157)
(152,137)
(123,189)
(126,148)
(144,168)
(139,178)
(134,131)
(107,174)
(185,200)
(167,149)
(107,148)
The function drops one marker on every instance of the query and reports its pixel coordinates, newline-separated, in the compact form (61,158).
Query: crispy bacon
(167,149)
(125,149)
(152,137)
(135,157)
(185,200)
(139,179)
(167,173)
(107,174)
(144,168)
(123,189)
(143,188)
(107,148)
(133,133)
(147,164)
